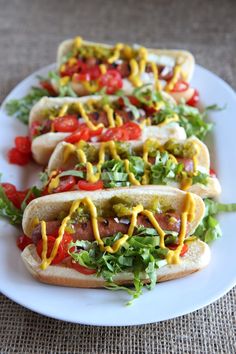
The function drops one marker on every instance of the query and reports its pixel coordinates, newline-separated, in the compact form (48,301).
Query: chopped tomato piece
(15,196)
(23,241)
(83,133)
(17,157)
(8,188)
(35,129)
(48,87)
(183,251)
(128,131)
(96,132)
(61,254)
(116,134)
(81,77)
(133,130)
(212,172)
(89,186)
(94,72)
(11,193)
(193,101)
(66,184)
(80,268)
(70,70)
(112,80)
(23,144)
(180,86)
(66,124)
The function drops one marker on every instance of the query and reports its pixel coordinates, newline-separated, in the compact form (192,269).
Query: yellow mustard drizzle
(81,109)
(110,115)
(170,85)
(111,148)
(134,76)
(64,80)
(157,85)
(142,66)
(119,120)
(137,61)
(63,110)
(187,215)
(132,178)
(54,183)
(116,54)
(78,41)
(103,68)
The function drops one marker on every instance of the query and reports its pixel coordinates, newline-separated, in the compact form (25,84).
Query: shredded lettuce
(63,90)
(20,108)
(140,255)
(209,229)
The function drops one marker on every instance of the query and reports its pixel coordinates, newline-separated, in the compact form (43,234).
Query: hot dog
(155,221)
(181,163)
(102,118)
(86,67)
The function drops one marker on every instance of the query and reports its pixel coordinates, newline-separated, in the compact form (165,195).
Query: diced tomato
(11,193)
(133,130)
(180,86)
(128,131)
(23,241)
(83,133)
(94,72)
(66,184)
(96,132)
(67,239)
(183,251)
(150,110)
(8,188)
(48,86)
(81,77)
(212,172)
(23,144)
(80,268)
(15,196)
(61,254)
(116,134)
(16,157)
(89,186)
(34,129)
(70,70)
(112,80)
(193,101)
(66,124)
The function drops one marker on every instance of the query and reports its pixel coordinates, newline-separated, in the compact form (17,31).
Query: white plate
(167,300)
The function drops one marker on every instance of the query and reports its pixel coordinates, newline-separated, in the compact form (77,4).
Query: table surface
(29,34)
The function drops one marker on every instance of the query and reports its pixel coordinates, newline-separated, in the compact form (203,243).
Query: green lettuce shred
(209,229)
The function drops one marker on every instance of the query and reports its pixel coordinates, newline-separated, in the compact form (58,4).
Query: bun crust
(197,257)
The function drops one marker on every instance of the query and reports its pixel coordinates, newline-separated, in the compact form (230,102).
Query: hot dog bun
(212,189)
(48,207)
(197,257)
(43,145)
